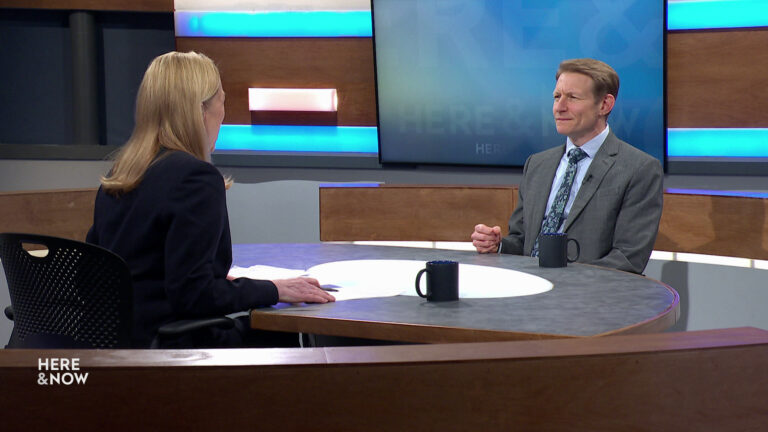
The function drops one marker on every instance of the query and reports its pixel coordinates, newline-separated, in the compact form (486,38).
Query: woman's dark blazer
(173,230)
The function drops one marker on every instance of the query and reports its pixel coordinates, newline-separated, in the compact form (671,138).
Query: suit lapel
(545,177)
(604,160)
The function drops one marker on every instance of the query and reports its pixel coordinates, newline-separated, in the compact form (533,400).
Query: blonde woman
(162,208)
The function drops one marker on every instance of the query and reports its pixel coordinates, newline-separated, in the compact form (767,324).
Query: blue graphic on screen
(471,81)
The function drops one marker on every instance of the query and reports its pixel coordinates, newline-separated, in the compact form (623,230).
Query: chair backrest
(76,296)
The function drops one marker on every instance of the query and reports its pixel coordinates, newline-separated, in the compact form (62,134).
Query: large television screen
(470,82)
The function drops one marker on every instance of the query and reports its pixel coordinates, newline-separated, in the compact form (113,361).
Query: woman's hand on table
(301,289)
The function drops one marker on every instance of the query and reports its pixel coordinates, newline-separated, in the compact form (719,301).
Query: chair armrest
(9,312)
(184,326)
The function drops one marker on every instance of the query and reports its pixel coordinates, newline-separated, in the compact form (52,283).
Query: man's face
(578,114)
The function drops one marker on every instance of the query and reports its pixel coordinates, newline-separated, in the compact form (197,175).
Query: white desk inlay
(357,279)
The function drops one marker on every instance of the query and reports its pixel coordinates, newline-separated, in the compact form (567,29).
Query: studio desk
(701,380)
(584,300)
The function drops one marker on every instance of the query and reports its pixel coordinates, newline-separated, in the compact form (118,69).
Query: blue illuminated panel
(349,185)
(336,139)
(717,142)
(274,24)
(710,14)
(741,194)
(470,81)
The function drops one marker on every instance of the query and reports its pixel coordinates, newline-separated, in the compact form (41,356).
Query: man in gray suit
(613,205)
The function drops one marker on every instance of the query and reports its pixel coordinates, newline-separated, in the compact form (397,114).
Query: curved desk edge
(707,380)
(23,359)
(658,323)
(388,331)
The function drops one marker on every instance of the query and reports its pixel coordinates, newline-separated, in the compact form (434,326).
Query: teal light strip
(325,139)
(274,24)
(714,14)
(741,194)
(681,15)
(743,142)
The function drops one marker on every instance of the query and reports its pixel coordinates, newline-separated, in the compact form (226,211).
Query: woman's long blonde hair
(169,115)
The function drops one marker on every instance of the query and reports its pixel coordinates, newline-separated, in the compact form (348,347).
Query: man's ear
(606,106)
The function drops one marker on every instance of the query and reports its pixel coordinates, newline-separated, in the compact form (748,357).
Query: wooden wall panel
(432,213)
(704,224)
(717,78)
(59,213)
(714,225)
(342,63)
(106,5)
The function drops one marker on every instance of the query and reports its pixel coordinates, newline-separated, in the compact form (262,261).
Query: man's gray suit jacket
(615,215)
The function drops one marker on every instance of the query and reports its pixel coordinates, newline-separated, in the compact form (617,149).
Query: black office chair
(77,295)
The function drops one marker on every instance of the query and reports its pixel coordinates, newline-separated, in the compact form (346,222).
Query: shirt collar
(592,146)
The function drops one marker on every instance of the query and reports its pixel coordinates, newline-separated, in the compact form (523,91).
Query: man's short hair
(606,79)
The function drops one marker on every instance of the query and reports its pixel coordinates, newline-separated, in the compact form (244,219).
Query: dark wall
(36,69)
(36,72)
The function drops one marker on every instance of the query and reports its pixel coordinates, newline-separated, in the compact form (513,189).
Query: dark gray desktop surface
(585,301)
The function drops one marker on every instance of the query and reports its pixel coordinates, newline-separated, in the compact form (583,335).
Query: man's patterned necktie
(555,217)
